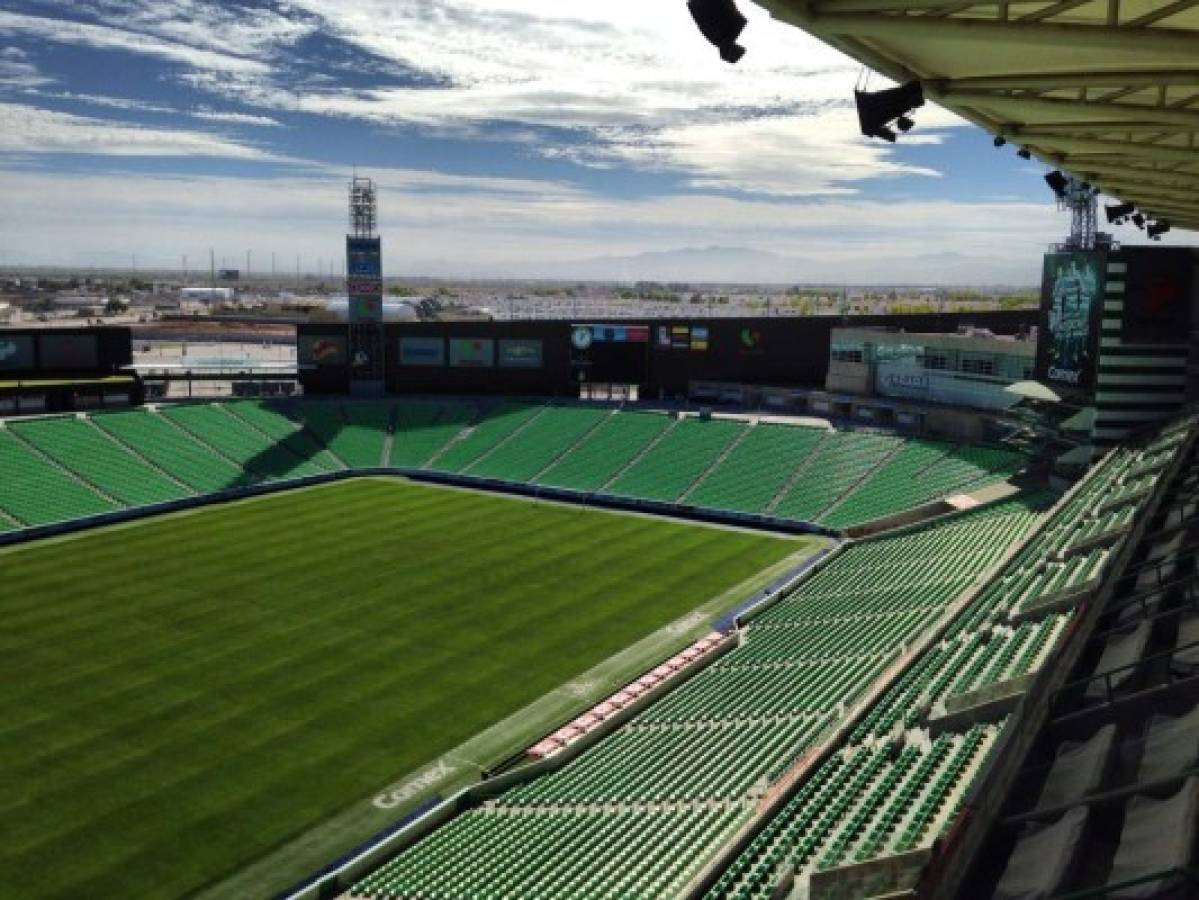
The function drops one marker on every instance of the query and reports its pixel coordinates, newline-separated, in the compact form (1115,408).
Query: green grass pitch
(182,695)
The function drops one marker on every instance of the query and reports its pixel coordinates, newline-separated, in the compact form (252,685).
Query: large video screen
(68,351)
(16,352)
(1072,286)
(520,354)
(1159,293)
(422,351)
(322,350)
(472,353)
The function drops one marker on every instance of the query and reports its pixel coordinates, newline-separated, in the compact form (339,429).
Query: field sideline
(182,695)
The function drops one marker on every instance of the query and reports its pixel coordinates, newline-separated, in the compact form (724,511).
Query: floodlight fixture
(1024,153)
(1156,229)
(721,23)
(1118,212)
(1139,221)
(1057,182)
(1000,140)
(876,110)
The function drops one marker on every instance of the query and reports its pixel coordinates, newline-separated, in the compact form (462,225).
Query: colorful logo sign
(472,353)
(699,338)
(422,351)
(520,354)
(322,349)
(750,339)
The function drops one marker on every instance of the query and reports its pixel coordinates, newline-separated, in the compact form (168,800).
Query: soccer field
(181,696)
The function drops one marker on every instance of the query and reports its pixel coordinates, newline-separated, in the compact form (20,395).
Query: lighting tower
(364,289)
(1081,200)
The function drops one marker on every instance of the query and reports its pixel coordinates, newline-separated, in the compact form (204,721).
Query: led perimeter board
(1072,286)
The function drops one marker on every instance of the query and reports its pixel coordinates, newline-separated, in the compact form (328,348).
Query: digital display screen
(16,352)
(1072,287)
(68,351)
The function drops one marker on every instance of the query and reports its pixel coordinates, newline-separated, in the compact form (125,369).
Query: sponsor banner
(16,352)
(1072,287)
(616,334)
(699,337)
(68,351)
(1159,291)
(520,354)
(472,353)
(422,351)
(366,287)
(680,337)
(901,378)
(366,309)
(322,350)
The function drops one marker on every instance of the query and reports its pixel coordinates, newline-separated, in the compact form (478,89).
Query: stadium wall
(767,351)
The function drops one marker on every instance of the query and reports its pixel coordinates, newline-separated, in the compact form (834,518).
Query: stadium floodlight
(1156,229)
(1057,182)
(1118,212)
(1139,221)
(877,109)
(721,23)
(1024,153)
(1000,140)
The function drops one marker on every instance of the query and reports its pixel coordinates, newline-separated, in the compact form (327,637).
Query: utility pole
(248,252)
(272,265)
(212,268)
(185,267)
(297,267)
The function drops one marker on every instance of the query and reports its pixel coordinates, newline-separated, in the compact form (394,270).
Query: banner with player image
(1072,287)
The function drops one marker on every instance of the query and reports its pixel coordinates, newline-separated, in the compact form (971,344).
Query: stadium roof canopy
(1106,90)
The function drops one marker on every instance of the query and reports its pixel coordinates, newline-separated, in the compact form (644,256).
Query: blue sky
(505,135)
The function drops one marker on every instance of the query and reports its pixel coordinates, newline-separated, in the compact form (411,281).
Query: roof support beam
(935,7)
(1051,35)
(1093,129)
(1093,111)
(1049,81)
(1056,145)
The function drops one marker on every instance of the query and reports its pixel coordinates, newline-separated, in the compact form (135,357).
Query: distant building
(208,294)
(971,369)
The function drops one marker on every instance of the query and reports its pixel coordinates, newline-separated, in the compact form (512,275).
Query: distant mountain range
(741,265)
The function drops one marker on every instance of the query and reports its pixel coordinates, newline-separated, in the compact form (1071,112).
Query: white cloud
(103,37)
(634,81)
(431,219)
(235,118)
(27,129)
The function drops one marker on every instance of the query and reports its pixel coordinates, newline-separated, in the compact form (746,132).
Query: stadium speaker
(876,110)
(1117,212)
(1057,182)
(1024,153)
(1000,140)
(721,23)
(1139,221)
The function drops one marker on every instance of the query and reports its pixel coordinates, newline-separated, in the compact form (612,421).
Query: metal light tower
(364,289)
(1081,200)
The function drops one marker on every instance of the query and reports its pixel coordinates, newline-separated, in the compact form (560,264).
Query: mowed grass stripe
(183,695)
